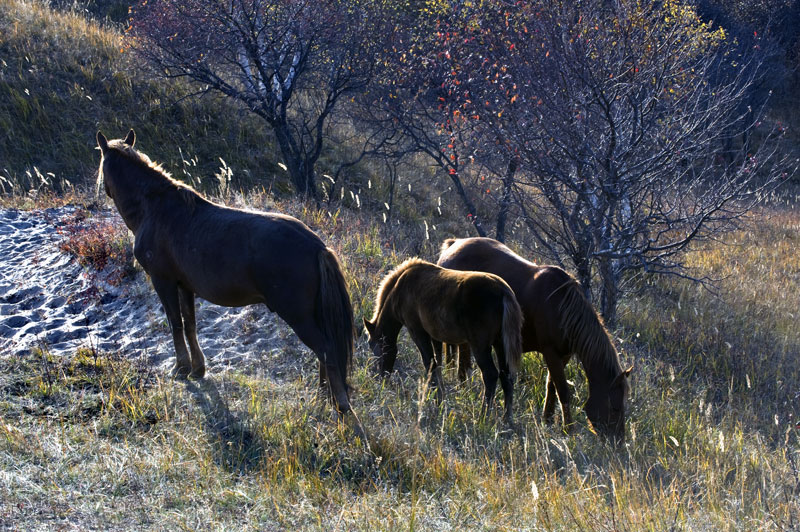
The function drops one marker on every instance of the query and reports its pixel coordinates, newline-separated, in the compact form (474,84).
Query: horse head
(383,349)
(103,145)
(605,407)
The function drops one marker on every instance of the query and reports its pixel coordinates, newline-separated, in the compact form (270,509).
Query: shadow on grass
(236,446)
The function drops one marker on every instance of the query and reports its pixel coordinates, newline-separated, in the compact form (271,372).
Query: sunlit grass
(97,441)
(741,342)
(106,442)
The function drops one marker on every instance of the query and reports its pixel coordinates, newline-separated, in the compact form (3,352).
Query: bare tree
(634,139)
(409,102)
(288,61)
(629,130)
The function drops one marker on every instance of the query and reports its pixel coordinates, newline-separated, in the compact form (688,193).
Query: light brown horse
(558,322)
(190,246)
(438,305)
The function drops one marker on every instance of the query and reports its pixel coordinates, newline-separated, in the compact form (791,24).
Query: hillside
(62,77)
(101,438)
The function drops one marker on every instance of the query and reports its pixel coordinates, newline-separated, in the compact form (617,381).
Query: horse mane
(388,282)
(586,333)
(446,244)
(158,180)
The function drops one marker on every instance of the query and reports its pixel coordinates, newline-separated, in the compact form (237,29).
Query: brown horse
(190,246)
(438,305)
(558,322)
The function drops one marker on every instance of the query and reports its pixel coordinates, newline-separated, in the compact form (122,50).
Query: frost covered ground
(49,301)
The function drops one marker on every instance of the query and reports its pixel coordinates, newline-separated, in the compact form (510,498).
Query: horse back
(481,295)
(229,256)
(488,255)
(538,289)
(451,306)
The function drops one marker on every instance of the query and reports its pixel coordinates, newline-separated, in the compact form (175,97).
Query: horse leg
(450,354)
(437,352)
(460,357)
(506,380)
(549,400)
(186,298)
(438,349)
(311,335)
(483,357)
(434,372)
(464,362)
(323,378)
(557,381)
(168,294)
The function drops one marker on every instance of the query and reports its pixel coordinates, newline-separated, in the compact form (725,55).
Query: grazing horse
(558,322)
(190,246)
(438,305)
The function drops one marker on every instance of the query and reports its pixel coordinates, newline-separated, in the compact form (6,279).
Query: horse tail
(583,328)
(335,312)
(512,330)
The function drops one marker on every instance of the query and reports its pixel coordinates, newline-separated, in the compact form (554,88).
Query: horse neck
(130,186)
(386,319)
(586,335)
(388,324)
(132,211)
(601,366)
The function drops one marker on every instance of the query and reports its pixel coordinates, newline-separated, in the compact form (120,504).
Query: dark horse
(438,305)
(190,246)
(558,322)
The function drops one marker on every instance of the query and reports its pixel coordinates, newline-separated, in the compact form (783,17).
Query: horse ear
(102,142)
(369,326)
(624,375)
(130,139)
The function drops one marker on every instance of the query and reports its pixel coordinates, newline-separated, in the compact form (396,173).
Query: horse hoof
(198,373)
(180,372)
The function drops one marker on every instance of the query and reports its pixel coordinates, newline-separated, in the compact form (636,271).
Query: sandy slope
(48,300)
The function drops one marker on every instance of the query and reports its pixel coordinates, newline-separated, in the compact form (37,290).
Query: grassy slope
(96,441)
(63,77)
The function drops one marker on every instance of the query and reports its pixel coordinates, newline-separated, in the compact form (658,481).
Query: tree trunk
(583,272)
(300,168)
(609,296)
(471,210)
(505,201)
(392,182)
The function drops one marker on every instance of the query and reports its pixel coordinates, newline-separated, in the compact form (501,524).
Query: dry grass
(63,76)
(102,246)
(741,342)
(101,442)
